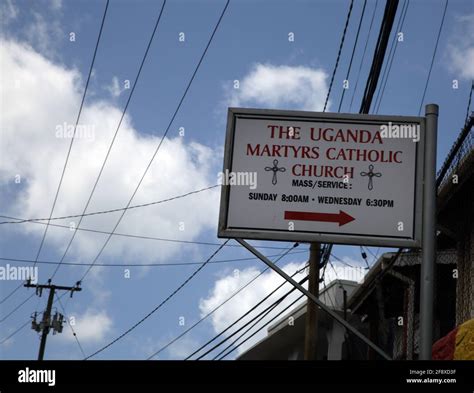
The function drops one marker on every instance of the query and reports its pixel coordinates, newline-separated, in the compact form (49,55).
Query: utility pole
(56,323)
(312,309)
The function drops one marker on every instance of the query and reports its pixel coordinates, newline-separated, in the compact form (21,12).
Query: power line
(372,80)
(70,326)
(114,137)
(391,56)
(220,305)
(363,53)
(258,318)
(261,315)
(21,221)
(341,261)
(162,138)
(266,324)
(353,51)
(75,128)
(141,264)
(328,247)
(370,252)
(275,304)
(237,321)
(379,54)
(376,255)
(11,293)
(159,305)
(329,297)
(321,279)
(364,257)
(21,326)
(433,57)
(49,322)
(347,332)
(334,269)
(16,308)
(338,54)
(15,332)
(146,237)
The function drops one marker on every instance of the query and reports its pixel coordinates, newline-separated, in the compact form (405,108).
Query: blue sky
(250,45)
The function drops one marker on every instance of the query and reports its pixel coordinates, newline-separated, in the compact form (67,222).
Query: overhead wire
(391,56)
(161,140)
(73,332)
(379,55)
(338,54)
(249,311)
(16,308)
(363,54)
(5,298)
(282,255)
(21,327)
(21,221)
(253,322)
(75,128)
(164,264)
(113,138)
(150,237)
(353,52)
(170,296)
(433,57)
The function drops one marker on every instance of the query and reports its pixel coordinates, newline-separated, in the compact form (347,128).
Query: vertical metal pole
(46,322)
(311,335)
(429,233)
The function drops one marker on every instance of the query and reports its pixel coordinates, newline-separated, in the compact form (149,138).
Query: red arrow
(342,218)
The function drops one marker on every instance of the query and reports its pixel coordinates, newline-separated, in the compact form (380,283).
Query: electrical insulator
(34,324)
(57,323)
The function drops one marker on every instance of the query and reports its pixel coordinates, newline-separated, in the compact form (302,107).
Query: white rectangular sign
(332,178)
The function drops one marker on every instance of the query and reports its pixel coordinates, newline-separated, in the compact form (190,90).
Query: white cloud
(39,96)
(282,87)
(8,12)
(461,48)
(91,327)
(182,348)
(237,306)
(114,88)
(226,286)
(56,5)
(43,33)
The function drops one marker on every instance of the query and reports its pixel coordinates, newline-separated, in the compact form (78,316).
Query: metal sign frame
(414,241)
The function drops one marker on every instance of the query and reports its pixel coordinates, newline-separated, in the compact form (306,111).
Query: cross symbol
(275,170)
(371,174)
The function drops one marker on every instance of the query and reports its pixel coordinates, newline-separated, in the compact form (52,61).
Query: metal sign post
(429,234)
